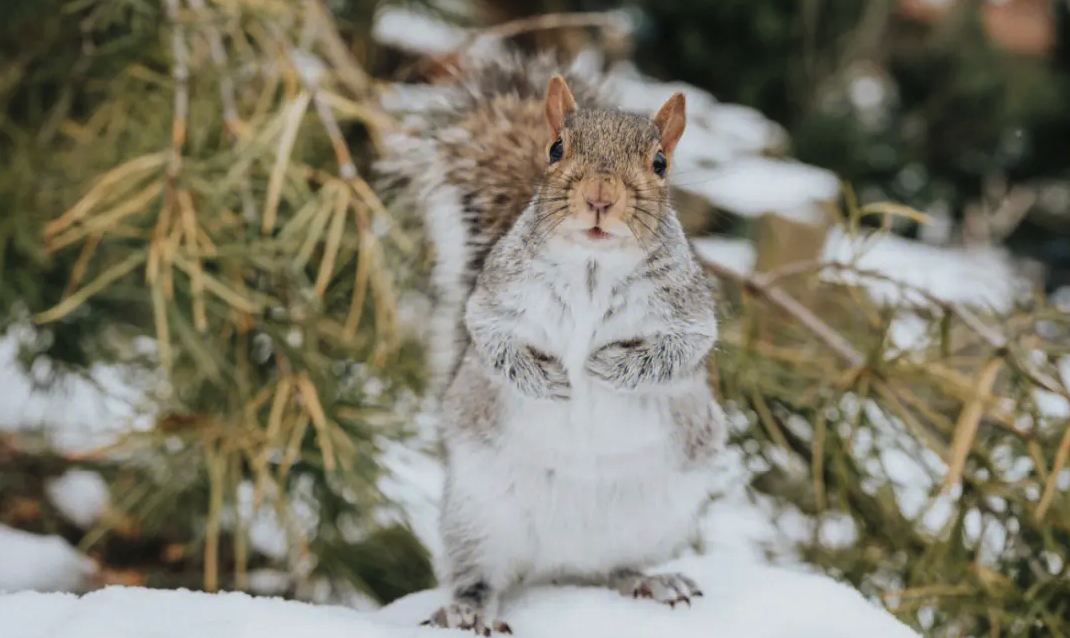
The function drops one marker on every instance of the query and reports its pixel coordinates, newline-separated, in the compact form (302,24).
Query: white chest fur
(592,484)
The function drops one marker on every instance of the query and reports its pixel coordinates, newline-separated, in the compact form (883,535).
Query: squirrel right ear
(559,105)
(670,121)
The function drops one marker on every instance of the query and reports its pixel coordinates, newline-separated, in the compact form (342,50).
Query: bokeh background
(212,311)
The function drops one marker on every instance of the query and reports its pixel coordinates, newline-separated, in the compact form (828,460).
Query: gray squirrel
(570,339)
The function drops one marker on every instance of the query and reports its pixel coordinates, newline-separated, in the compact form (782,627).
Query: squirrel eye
(660,164)
(557,150)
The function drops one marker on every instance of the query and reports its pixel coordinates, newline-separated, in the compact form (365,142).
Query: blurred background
(211,370)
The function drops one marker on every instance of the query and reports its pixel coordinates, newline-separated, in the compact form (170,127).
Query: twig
(801,313)
(990,335)
(969,419)
(993,338)
(1061,456)
(832,339)
(294,112)
(310,70)
(226,83)
(216,463)
(349,72)
(545,22)
(180,74)
(818,461)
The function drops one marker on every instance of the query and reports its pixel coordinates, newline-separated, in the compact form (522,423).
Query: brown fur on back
(500,163)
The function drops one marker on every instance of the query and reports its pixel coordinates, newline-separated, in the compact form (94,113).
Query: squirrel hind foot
(467,617)
(668,589)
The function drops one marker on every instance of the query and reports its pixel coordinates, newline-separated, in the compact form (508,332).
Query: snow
(81,496)
(40,563)
(739,130)
(416,31)
(267,534)
(1054,407)
(754,186)
(908,332)
(413,481)
(981,277)
(742,599)
(736,254)
(717,134)
(938,514)
(79,413)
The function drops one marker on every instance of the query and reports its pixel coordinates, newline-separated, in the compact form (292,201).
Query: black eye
(557,150)
(660,164)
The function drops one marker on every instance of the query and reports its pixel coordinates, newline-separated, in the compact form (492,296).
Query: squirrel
(573,326)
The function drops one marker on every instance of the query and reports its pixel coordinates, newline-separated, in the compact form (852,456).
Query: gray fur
(481,161)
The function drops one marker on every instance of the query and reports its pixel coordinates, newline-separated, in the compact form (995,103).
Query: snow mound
(736,254)
(979,277)
(754,186)
(743,600)
(716,132)
(81,496)
(416,31)
(40,563)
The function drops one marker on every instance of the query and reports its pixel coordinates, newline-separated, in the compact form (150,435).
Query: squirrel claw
(669,589)
(459,615)
(681,599)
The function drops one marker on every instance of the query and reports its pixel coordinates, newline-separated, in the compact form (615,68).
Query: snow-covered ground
(742,600)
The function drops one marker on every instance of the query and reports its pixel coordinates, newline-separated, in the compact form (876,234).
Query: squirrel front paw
(541,375)
(465,616)
(617,363)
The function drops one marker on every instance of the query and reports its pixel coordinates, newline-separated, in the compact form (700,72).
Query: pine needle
(969,419)
(106,278)
(334,240)
(295,111)
(319,420)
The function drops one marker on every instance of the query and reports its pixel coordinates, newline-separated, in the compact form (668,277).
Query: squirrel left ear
(670,121)
(559,105)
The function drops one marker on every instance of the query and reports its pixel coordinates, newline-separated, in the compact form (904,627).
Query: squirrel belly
(571,489)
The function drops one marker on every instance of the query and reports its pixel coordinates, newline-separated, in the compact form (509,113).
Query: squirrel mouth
(597,233)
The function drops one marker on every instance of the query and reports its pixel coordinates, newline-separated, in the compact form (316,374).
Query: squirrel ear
(559,105)
(670,121)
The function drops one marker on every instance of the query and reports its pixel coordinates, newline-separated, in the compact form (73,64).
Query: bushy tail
(468,158)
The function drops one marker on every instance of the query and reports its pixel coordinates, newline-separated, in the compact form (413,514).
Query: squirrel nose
(599,206)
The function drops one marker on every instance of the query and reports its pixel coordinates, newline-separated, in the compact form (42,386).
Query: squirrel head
(606,179)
